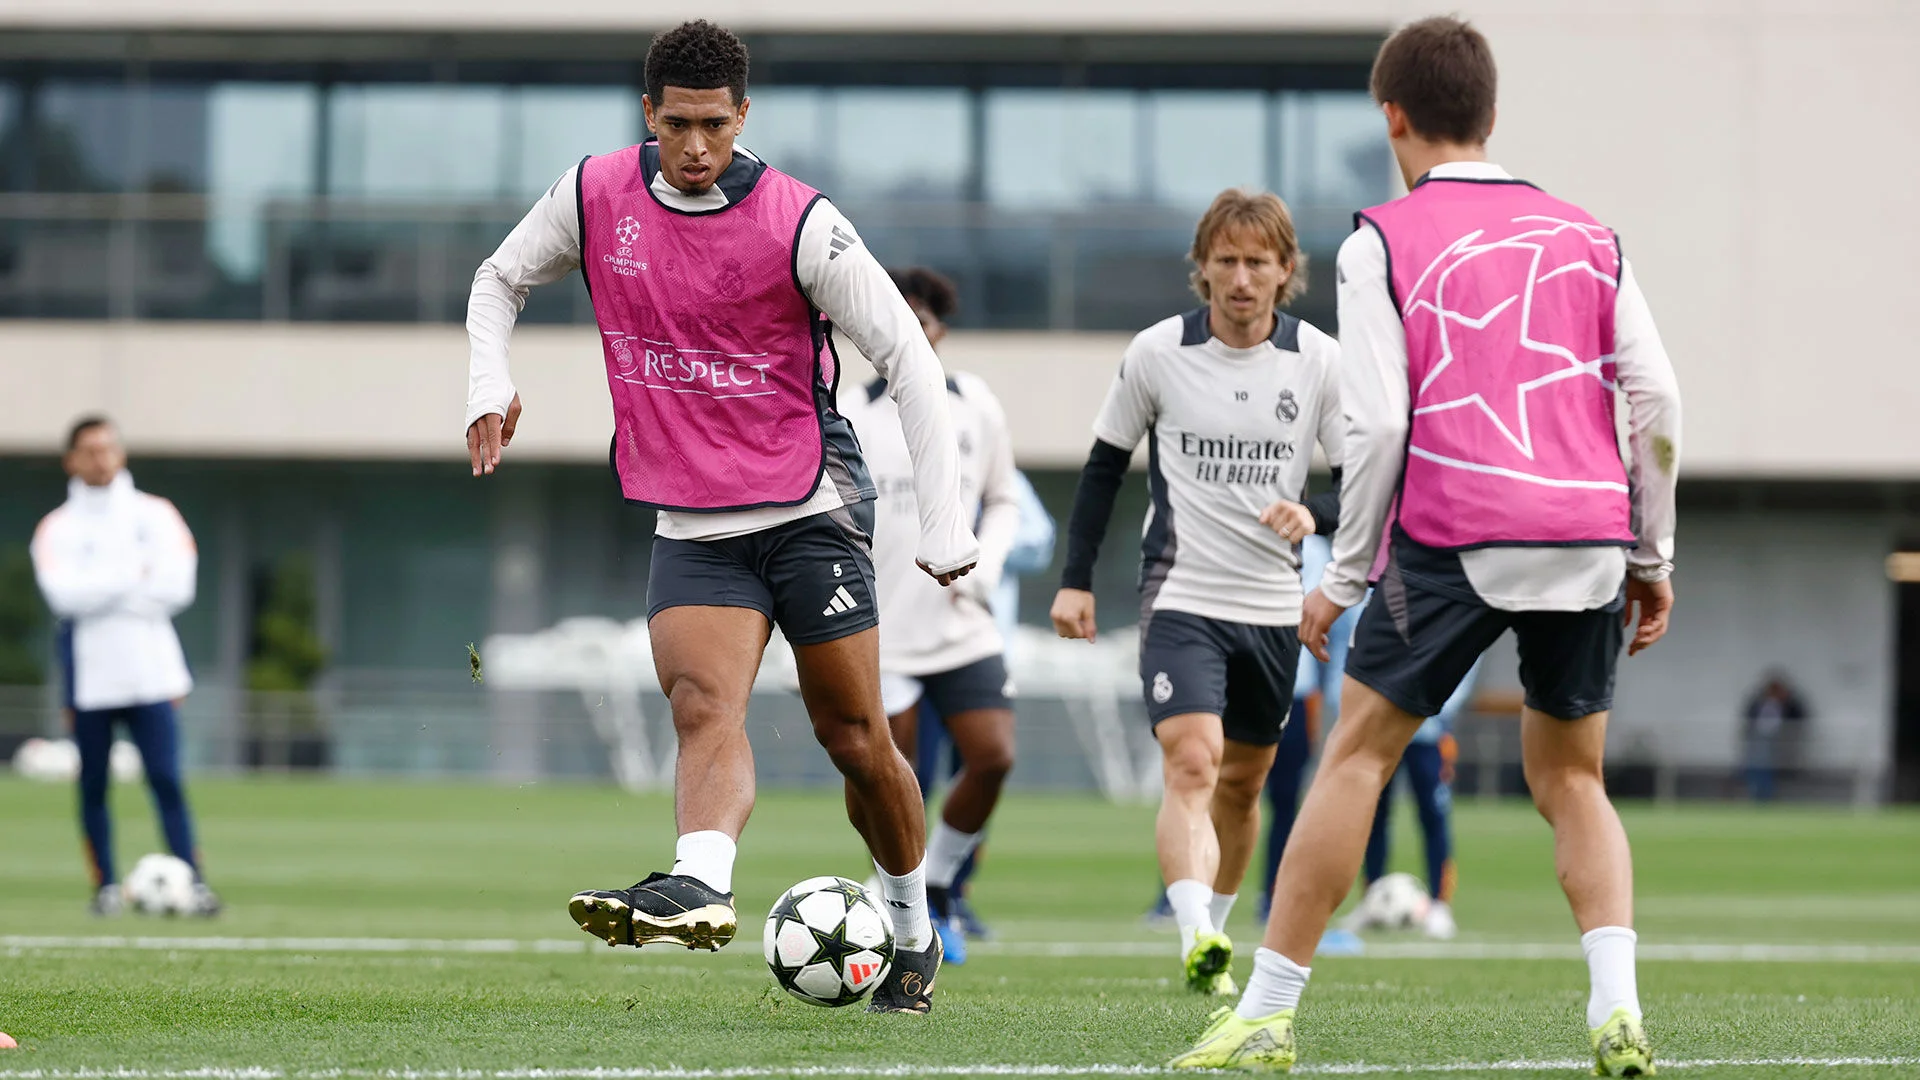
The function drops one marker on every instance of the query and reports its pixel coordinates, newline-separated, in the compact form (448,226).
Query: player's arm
(999,525)
(850,286)
(172,564)
(1653,458)
(1374,399)
(75,588)
(544,247)
(1318,513)
(1129,411)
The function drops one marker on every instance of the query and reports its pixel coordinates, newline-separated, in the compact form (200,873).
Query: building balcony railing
(1112,266)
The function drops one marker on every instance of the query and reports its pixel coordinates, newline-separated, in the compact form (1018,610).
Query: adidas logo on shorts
(841,603)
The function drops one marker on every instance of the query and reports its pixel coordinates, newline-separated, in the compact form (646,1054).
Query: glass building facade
(347,178)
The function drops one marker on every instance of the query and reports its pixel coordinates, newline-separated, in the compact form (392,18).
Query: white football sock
(1276,984)
(906,898)
(706,856)
(947,851)
(1221,907)
(1192,903)
(1609,952)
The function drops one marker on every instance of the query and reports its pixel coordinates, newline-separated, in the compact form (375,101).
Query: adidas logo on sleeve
(841,603)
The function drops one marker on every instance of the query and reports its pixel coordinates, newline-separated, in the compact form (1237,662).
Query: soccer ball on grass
(827,942)
(160,885)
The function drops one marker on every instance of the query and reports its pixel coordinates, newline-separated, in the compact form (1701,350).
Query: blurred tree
(285,728)
(20,661)
(287,653)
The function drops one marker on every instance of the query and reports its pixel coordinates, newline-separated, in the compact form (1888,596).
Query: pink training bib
(1507,295)
(714,355)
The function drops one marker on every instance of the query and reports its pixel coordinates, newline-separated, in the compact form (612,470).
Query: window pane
(419,141)
(1050,149)
(1333,150)
(557,126)
(13,147)
(1204,142)
(260,147)
(85,137)
(899,144)
(784,129)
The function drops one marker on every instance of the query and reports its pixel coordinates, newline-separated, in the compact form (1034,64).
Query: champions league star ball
(160,885)
(828,942)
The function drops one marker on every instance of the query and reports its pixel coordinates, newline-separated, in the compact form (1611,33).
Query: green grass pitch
(408,881)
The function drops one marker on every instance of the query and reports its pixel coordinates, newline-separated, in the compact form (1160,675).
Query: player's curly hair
(1265,216)
(928,288)
(697,55)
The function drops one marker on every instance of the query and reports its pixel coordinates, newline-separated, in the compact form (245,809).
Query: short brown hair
(1440,72)
(1261,213)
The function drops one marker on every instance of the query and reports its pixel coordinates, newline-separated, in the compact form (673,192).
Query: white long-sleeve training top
(1373,388)
(120,564)
(839,276)
(925,629)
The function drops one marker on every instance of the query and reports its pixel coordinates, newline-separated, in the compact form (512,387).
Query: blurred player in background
(1485,327)
(942,647)
(117,564)
(710,306)
(1233,395)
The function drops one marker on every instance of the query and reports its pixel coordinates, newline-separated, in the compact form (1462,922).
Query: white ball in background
(48,760)
(160,885)
(1396,902)
(125,763)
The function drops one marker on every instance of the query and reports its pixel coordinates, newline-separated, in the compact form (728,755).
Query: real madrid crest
(1288,410)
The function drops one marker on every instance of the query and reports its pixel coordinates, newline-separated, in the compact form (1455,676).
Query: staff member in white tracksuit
(116,564)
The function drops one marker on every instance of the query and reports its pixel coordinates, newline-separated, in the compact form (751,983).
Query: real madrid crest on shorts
(1288,410)
(1162,687)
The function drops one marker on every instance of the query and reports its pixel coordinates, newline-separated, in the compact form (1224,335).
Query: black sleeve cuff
(1325,508)
(1092,507)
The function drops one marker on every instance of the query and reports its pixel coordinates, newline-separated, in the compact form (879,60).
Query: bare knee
(699,707)
(853,743)
(1556,785)
(1239,788)
(1192,766)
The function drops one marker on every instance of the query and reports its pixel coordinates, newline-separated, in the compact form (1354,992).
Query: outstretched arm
(544,247)
(845,281)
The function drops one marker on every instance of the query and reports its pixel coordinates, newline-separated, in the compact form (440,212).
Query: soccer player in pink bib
(1485,328)
(716,280)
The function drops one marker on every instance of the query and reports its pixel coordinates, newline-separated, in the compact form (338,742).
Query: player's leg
(1408,653)
(978,715)
(93,736)
(709,617)
(1283,795)
(155,730)
(819,571)
(1567,666)
(1260,677)
(1183,676)
(1426,767)
(1373,865)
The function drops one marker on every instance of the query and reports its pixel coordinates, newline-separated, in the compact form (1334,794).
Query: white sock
(706,856)
(1221,907)
(947,850)
(1192,903)
(1275,985)
(906,897)
(1609,952)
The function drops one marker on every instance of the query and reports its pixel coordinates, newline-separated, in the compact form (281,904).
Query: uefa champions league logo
(627,231)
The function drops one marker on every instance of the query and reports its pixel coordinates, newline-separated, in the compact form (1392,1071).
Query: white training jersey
(926,629)
(1232,431)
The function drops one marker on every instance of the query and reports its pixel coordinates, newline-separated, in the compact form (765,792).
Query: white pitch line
(1430,950)
(1355,1068)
